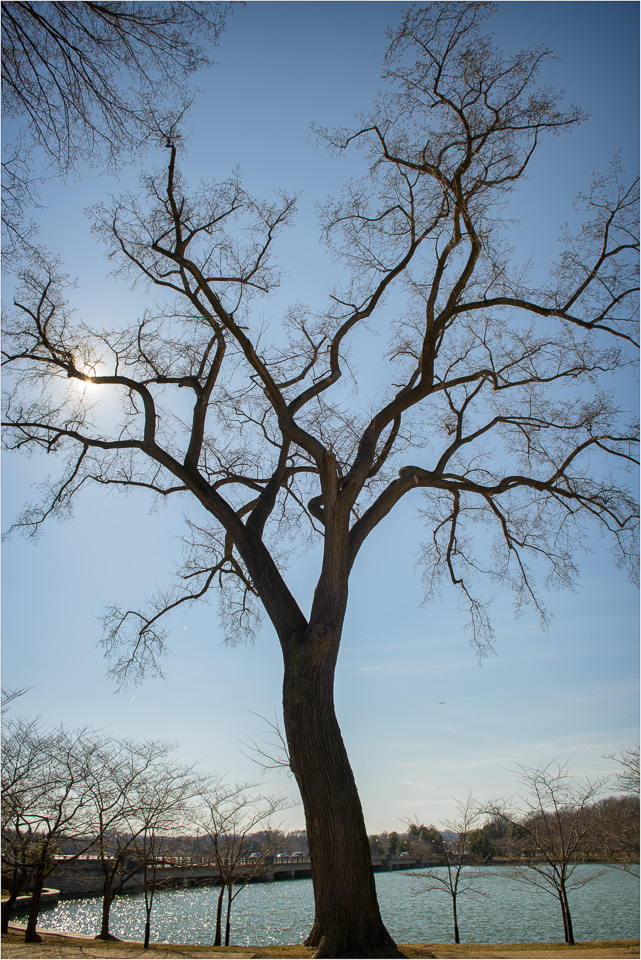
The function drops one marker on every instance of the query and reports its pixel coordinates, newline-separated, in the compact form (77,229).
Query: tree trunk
(564,917)
(347,919)
(150,890)
(228,918)
(107,900)
(38,883)
(457,938)
(17,884)
(567,919)
(219,917)
(148,906)
(6,912)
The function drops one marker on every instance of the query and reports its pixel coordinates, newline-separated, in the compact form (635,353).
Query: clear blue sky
(569,694)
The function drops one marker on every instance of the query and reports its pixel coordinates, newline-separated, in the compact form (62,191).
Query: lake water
(607,908)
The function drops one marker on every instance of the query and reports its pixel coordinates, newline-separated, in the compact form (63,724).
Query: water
(607,908)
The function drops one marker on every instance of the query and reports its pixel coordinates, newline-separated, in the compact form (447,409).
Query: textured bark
(347,920)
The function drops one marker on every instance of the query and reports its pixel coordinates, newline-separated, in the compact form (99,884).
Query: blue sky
(422,720)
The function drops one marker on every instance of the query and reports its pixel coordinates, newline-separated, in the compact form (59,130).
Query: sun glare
(88,385)
(83,386)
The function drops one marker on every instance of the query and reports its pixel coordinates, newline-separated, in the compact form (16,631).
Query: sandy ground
(62,946)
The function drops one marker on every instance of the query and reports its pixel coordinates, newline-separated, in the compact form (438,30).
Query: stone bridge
(84,877)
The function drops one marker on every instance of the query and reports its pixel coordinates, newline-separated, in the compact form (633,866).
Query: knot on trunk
(321,631)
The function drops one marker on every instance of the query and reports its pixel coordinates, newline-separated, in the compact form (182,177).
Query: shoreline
(56,945)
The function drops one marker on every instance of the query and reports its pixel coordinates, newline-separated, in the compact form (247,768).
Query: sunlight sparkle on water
(282,912)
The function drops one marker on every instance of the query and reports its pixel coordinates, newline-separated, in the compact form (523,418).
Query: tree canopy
(85,81)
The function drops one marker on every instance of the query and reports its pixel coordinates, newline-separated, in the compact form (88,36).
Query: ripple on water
(607,908)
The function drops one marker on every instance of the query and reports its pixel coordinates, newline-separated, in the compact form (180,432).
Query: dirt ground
(55,946)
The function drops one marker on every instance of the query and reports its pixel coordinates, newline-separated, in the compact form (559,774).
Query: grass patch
(64,947)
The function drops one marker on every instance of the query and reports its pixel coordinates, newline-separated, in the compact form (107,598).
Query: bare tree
(618,816)
(452,848)
(552,834)
(134,791)
(229,813)
(43,797)
(616,832)
(166,808)
(20,773)
(497,411)
(85,80)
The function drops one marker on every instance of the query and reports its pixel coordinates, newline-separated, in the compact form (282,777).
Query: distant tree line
(604,828)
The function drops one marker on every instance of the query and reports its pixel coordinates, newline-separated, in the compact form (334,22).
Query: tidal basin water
(607,908)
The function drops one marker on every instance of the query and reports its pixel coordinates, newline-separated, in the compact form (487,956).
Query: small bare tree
(616,832)
(43,803)
(229,813)
(133,791)
(551,834)
(20,774)
(166,809)
(455,878)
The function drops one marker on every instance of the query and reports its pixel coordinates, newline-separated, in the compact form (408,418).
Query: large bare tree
(493,408)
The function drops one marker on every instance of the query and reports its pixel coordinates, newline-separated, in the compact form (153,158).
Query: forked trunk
(567,919)
(347,919)
(17,885)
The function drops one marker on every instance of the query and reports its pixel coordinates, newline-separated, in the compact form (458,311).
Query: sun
(90,371)
(82,387)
